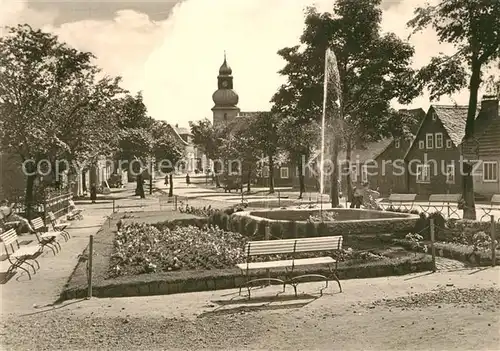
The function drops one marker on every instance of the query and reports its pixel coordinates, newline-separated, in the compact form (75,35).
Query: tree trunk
(348,174)
(170,185)
(334,186)
(467,178)
(302,185)
(271,174)
(29,196)
(249,178)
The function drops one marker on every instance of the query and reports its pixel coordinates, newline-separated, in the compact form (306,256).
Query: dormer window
(434,117)
(397,143)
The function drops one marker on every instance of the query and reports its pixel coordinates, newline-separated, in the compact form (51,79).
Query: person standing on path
(93,193)
(188,179)
(357,198)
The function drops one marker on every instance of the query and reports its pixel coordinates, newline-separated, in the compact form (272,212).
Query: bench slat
(270,247)
(402,197)
(445,197)
(286,263)
(9,237)
(37,223)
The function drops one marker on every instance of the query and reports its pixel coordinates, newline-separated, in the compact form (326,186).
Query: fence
(55,201)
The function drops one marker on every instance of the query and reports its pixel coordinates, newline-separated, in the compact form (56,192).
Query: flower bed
(144,248)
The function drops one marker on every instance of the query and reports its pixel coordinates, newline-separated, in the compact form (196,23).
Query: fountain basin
(347,221)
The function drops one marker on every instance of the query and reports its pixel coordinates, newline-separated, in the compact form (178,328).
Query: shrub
(243,225)
(416,242)
(261,229)
(229,211)
(301,231)
(251,228)
(235,223)
(224,222)
(322,229)
(216,219)
(276,230)
(311,229)
(290,229)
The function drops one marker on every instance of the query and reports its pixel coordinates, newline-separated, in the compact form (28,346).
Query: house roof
(369,152)
(453,119)
(182,130)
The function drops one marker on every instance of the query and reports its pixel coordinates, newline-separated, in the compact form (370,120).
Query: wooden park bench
(401,201)
(494,205)
(291,247)
(19,255)
(440,202)
(74,212)
(44,238)
(59,226)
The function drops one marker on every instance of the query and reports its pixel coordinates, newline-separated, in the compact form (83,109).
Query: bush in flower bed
(462,231)
(142,248)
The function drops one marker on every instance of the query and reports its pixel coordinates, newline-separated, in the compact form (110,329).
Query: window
(449,144)
(429,141)
(364,173)
(354,173)
(225,116)
(439,140)
(490,171)
(284,172)
(434,117)
(421,144)
(450,173)
(265,172)
(397,143)
(423,174)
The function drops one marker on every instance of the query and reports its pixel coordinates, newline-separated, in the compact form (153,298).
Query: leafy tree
(264,130)
(209,139)
(135,142)
(473,27)
(51,101)
(373,70)
(167,149)
(299,139)
(239,145)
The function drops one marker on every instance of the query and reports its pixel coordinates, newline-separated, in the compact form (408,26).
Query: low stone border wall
(194,281)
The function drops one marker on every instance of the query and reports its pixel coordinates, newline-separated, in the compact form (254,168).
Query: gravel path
(443,311)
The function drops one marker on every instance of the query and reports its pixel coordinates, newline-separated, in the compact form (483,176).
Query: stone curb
(136,286)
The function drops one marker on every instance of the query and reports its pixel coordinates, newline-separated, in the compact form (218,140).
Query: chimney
(489,106)
(176,125)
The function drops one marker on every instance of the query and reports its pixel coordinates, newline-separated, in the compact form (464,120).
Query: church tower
(225,98)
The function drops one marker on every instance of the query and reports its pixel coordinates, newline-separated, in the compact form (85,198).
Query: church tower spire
(225,98)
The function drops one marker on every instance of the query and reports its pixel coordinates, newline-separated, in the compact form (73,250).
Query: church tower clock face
(224,84)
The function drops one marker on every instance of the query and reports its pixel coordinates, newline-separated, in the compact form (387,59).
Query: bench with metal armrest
(19,255)
(440,202)
(291,247)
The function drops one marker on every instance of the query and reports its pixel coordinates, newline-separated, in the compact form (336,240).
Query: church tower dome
(225,98)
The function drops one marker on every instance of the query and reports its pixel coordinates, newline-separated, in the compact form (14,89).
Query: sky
(171,50)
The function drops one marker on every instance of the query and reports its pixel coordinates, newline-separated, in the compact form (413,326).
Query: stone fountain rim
(398,216)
